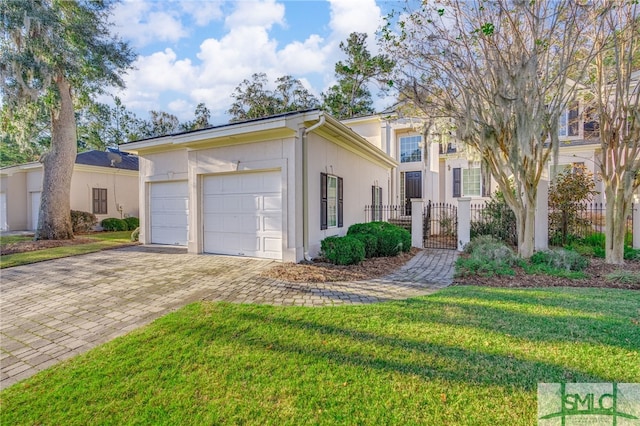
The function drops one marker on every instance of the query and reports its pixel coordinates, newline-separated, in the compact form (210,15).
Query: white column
(417,218)
(464,222)
(636,222)
(541,236)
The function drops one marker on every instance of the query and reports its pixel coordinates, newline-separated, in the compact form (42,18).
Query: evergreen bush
(114,224)
(346,250)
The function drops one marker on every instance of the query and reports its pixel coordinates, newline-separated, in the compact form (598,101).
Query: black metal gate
(440,226)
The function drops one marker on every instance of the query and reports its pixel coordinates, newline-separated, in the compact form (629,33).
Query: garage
(242,214)
(169,212)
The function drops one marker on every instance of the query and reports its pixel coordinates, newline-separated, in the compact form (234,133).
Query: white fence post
(636,224)
(417,218)
(541,235)
(464,222)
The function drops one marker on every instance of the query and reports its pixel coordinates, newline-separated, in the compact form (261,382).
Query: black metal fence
(440,226)
(498,220)
(583,221)
(396,214)
(495,219)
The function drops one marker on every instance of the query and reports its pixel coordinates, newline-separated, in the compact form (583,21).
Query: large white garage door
(169,213)
(242,214)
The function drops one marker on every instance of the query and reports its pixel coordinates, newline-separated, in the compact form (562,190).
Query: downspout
(305,198)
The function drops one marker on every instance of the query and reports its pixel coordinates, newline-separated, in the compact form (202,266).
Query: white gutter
(305,199)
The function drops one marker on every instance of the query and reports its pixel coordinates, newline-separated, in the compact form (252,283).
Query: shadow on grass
(406,356)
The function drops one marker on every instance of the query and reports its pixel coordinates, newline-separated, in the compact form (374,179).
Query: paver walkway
(53,310)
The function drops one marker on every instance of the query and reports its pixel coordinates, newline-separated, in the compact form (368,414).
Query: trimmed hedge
(114,224)
(345,250)
(82,221)
(132,223)
(390,239)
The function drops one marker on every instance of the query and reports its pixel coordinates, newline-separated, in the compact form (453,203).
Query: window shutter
(96,201)
(103,201)
(456,182)
(323,201)
(340,204)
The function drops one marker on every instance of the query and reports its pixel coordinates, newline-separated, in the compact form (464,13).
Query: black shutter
(103,201)
(373,195)
(457,182)
(340,204)
(96,200)
(323,201)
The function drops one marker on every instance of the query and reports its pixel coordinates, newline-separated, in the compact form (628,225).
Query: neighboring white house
(272,187)
(103,183)
(442,172)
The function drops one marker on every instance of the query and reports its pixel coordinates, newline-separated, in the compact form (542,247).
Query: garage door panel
(169,212)
(272,223)
(242,214)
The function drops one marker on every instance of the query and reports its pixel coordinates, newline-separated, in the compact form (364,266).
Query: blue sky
(193,51)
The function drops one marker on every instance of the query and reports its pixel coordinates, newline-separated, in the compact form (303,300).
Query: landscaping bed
(32,245)
(597,276)
(322,271)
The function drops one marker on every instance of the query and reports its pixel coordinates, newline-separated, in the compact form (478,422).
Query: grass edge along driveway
(465,355)
(103,241)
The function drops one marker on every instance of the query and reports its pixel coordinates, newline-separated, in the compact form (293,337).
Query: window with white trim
(332,201)
(472,182)
(410,150)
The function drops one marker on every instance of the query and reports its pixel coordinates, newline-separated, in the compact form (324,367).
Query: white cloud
(141,23)
(203,11)
(256,14)
(306,57)
(347,16)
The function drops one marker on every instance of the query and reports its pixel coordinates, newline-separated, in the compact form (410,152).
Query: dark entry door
(412,188)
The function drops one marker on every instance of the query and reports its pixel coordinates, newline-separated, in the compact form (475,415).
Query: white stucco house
(103,182)
(443,172)
(272,187)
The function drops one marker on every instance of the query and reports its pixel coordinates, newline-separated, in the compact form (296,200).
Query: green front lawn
(102,241)
(465,355)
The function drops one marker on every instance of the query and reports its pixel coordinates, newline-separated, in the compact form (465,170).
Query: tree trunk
(615,227)
(526,232)
(54,221)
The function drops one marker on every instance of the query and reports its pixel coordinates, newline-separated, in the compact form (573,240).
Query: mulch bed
(321,271)
(25,246)
(596,273)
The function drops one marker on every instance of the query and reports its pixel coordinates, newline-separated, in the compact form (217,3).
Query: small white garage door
(169,213)
(242,214)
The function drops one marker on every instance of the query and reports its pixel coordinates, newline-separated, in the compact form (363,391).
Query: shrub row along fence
(580,222)
(497,219)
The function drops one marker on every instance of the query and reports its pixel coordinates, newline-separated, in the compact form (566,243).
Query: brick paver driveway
(54,310)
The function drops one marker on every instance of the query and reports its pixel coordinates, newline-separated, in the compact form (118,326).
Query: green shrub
(391,239)
(631,253)
(496,219)
(135,235)
(370,242)
(473,266)
(594,240)
(480,240)
(368,228)
(114,224)
(495,252)
(82,221)
(560,259)
(132,223)
(346,250)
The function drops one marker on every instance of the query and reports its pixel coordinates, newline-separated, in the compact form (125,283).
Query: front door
(413,188)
